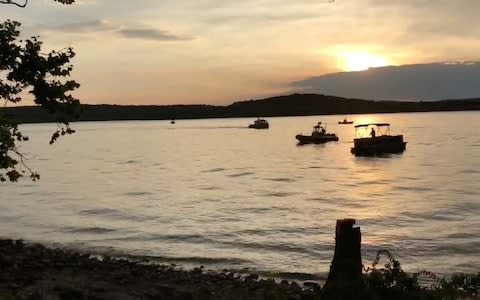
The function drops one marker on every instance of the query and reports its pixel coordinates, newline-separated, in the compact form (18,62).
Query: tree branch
(26,2)
(14,3)
(33,175)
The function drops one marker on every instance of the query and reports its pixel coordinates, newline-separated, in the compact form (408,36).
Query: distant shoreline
(281,106)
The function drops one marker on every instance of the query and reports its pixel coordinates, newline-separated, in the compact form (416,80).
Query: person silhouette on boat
(372,133)
(318,129)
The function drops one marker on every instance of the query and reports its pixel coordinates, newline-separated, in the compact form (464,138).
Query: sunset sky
(221,51)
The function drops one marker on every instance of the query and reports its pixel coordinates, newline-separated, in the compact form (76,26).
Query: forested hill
(291,105)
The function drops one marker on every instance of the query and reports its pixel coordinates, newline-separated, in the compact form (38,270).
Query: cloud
(152,34)
(259,12)
(81,27)
(426,82)
(92,26)
(259,17)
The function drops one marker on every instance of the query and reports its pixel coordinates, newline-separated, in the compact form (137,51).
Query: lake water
(214,193)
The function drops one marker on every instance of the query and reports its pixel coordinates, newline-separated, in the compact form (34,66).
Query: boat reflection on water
(375,139)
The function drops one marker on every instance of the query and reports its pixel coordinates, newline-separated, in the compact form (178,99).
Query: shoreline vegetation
(289,105)
(33,271)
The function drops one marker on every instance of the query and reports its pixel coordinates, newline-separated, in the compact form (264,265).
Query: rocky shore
(33,271)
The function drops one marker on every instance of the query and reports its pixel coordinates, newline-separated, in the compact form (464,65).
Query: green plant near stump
(391,282)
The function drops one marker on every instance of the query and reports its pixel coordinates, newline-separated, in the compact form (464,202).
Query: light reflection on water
(215,193)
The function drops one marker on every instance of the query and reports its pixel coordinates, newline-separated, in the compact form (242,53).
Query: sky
(222,51)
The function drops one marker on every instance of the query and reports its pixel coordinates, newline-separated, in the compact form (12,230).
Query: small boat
(172,122)
(259,123)
(345,121)
(319,136)
(368,142)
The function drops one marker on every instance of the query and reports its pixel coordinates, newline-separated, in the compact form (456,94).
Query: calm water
(214,193)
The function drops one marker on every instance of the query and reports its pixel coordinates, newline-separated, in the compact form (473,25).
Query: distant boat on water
(259,123)
(345,121)
(369,142)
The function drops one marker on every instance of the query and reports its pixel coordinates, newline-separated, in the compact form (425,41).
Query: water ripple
(278,247)
(113,213)
(280,194)
(413,188)
(240,174)
(470,171)
(129,162)
(136,194)
(98,211)
(189,259)
(213,170)
(281,179)
(96,230)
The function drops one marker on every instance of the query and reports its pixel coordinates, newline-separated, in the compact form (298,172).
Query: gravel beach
(33,271)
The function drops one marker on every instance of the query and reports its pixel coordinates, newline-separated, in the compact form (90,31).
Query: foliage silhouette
(23,66)
(391,282)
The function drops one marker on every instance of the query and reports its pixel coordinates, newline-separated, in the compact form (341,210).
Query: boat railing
(366,130)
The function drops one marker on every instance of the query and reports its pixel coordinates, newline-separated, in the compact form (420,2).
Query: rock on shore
(33,271)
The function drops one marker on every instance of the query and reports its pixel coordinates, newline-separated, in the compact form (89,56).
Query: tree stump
(345,278)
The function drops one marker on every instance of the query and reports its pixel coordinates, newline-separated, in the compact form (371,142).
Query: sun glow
(359,61)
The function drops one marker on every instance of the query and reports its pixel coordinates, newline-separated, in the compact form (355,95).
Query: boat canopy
(372,124)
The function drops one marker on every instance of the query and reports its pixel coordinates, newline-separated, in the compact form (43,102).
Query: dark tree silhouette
(25,2)
(24,67)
